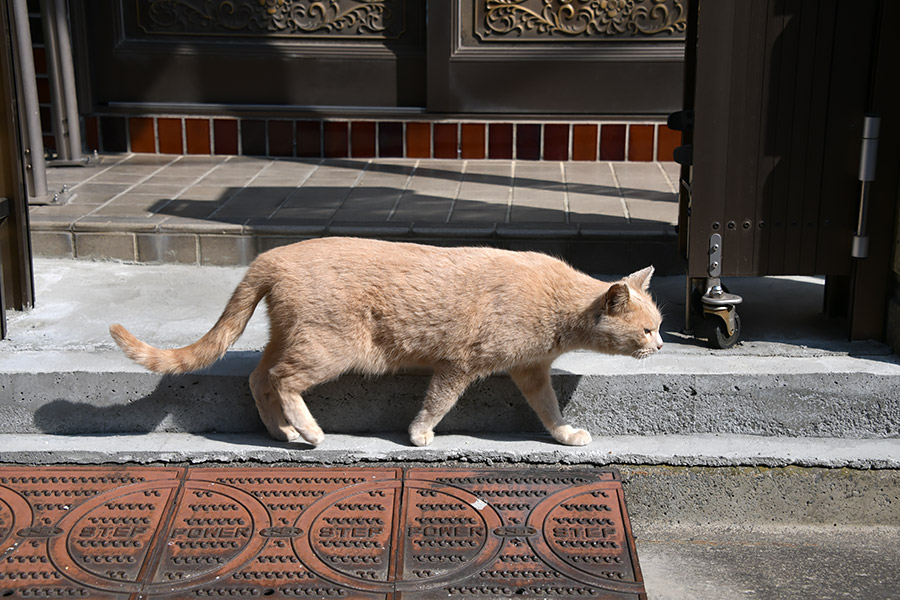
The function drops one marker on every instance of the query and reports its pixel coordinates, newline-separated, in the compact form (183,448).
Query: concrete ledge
(493,449)
(72,392)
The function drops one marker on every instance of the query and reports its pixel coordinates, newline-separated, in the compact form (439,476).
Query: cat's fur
(341,304)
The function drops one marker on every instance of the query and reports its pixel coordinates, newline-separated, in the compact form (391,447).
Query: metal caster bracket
(716,301)
(719,303)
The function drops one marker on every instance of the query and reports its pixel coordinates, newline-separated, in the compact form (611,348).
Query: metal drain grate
(108,532)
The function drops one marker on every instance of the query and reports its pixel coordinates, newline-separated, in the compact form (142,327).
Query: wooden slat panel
(849,83)
(767,158)
(738,150)
(818,110)
(801,152)
(872,280)
(783,100)
(740,257)
(714,74)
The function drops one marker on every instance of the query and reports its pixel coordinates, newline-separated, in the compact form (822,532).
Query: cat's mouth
(644,353)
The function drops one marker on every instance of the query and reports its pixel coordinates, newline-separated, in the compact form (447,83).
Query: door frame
(17,277)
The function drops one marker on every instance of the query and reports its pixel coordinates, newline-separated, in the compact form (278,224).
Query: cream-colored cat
(342,304)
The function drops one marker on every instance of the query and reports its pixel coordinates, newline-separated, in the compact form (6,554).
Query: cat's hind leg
(534,382)
(445,388)
(267,402)
(291,378)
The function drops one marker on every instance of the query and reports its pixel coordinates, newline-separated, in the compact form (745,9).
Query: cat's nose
(659,342)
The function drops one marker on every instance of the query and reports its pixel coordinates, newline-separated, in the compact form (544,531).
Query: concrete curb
(675,450)
(76,392)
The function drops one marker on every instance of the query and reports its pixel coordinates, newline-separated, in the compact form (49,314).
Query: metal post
(67,73)
(35,168)
(57,108)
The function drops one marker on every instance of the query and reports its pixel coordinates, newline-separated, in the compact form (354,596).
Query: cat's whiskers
(643,353)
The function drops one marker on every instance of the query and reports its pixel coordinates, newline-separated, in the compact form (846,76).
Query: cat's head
(627,320)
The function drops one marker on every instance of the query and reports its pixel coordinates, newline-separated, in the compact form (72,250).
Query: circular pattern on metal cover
(15,513)
(349,537)
(111,538)
(583,536)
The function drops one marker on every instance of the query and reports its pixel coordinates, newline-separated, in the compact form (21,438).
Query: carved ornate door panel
(616,57)
(367,53)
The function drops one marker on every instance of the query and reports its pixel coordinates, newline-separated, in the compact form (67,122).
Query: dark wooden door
(191,54)
(556,57)
(474,56)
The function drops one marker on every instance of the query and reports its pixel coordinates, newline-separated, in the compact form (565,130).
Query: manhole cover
(107,532)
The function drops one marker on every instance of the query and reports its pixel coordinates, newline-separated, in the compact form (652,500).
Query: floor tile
(170,135)
(196,133)
(418,140)
(446,140)
(473,140)
(336,139)
(225,134)
(414,206)
(500,141)
(528,142)
(143,135)
(362,139)
(640,142)
(556,141)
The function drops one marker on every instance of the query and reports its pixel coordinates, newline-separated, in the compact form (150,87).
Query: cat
(344,304)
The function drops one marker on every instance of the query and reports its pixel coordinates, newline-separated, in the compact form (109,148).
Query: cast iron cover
(294,532)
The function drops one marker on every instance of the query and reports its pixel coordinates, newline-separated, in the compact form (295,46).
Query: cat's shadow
(222,405)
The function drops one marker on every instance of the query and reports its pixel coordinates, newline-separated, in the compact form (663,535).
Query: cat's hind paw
(570,436)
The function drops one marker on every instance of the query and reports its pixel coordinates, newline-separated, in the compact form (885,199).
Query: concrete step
(794,377)
(700,450)
(67,393)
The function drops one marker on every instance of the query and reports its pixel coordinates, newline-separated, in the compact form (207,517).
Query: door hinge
(868,157)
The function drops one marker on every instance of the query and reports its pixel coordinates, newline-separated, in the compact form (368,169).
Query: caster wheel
(720,338)
(697,300)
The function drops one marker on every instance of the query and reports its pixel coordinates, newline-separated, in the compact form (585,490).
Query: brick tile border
(639,141)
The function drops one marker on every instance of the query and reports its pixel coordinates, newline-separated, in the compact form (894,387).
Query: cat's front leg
(534,382)
(445,388)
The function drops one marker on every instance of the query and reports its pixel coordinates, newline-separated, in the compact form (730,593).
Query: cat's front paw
(421,438)
(570,436)
(314,436)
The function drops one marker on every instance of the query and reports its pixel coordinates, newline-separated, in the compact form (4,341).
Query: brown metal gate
(16,279)
(776,95)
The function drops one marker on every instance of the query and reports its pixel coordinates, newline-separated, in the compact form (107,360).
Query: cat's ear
(617,298)
(641,279)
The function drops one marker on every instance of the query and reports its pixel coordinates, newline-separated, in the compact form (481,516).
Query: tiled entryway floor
(145,196)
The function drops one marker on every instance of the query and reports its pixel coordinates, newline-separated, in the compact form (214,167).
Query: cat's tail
(212,346)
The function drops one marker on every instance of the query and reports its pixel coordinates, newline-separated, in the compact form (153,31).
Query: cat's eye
(647,331)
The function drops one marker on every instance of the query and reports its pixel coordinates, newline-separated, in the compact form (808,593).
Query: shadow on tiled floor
(226,209)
